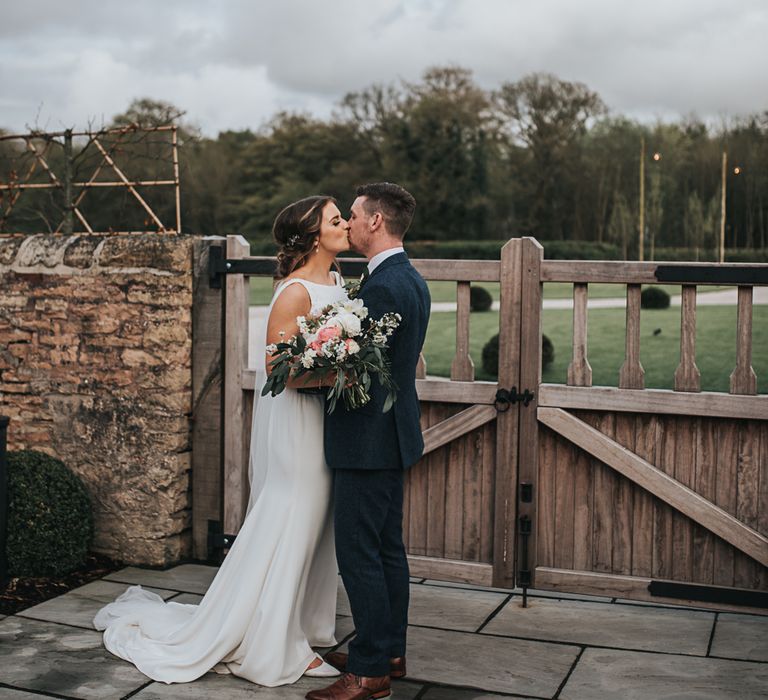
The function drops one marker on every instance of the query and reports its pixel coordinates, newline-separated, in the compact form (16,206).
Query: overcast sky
(232,64)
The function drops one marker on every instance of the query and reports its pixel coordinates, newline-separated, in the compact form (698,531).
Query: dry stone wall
(96,369)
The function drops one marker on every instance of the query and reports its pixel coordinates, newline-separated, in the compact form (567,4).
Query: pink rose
(328,332)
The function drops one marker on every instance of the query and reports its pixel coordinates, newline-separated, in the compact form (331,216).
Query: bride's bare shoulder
(293,296)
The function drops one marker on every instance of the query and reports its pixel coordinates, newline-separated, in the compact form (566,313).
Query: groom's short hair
(395,203)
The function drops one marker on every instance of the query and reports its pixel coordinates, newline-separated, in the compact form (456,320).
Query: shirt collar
(379,258)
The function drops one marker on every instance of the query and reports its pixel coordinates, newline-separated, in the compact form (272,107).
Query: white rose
(350,323)
(355,306)
(352,347)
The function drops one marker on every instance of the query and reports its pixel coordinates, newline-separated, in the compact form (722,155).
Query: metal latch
(506,397)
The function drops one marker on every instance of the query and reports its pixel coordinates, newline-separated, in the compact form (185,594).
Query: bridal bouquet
(342,341)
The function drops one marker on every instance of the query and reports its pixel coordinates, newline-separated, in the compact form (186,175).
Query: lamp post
(641,218)
(723,172)
(641,223)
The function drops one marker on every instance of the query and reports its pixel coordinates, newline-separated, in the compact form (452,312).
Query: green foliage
(654,298)
(490,355)
(480,299)
(538,157)
(50,523)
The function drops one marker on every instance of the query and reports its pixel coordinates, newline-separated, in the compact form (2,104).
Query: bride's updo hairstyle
(295,230)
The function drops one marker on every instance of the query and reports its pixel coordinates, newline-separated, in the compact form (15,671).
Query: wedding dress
(274,596)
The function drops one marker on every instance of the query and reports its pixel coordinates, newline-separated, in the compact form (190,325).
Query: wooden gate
(626,491)
(652,494)
(460,499)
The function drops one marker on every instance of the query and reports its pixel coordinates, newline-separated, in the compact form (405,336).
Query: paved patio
(464,642)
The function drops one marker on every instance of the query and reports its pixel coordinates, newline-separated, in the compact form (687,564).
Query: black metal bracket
(524,571)
(219,266)
(218,541)
(506,397)
(709,594)
(712,274)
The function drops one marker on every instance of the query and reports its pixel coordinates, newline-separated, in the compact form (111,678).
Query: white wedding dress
(274,596)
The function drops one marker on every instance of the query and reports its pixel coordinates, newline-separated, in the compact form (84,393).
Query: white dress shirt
(379,258)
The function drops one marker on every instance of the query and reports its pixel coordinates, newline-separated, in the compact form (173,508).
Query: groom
(369,451)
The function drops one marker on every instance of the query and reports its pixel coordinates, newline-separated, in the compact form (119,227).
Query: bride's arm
(294,301)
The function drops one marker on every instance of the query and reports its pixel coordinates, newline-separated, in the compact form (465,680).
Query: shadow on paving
(464,642)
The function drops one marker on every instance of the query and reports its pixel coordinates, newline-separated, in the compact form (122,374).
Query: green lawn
(261,290)
(659,354)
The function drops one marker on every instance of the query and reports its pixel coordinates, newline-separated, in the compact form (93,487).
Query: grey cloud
(232,64)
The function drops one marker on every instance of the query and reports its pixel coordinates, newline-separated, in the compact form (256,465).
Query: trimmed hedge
(654,298)
(480,299)
(490,356)
(50,522)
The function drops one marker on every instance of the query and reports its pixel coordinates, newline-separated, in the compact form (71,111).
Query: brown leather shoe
(339,659)
(352,687)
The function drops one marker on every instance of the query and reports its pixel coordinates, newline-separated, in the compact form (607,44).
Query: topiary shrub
(547,352)
(654,298)
(480,299)
(490,354)
(50,522)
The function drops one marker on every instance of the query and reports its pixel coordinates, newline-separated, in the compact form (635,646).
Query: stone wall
(96,368)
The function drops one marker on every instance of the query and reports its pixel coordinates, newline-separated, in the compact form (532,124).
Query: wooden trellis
(39,145)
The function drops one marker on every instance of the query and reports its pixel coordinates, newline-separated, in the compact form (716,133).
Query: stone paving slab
(79,606)
(741,637)
(13,694)
(487,663)
(53,658)
(437,606)
(187,598)
(449,608)
(187,578)
(607,674)
(438,693)
(606,624)
(213,686)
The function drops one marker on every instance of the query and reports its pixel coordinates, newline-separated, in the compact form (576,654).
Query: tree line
(539,156)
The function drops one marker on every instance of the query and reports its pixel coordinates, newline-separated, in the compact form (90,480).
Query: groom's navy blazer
(366,438)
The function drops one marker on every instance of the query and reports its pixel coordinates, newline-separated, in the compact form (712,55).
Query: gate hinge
(506,397)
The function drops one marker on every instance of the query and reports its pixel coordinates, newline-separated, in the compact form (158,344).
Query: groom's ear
(376,221)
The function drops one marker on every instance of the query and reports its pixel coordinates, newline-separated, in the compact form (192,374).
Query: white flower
(307,361)
(350,323)
(355,306)
(271,349)
(352,347)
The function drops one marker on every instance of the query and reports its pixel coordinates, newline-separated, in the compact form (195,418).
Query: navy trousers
(368,520)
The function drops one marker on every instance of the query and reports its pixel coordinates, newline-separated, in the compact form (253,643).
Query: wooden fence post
(530,378)
(505,507)
(235,481)
(207,328)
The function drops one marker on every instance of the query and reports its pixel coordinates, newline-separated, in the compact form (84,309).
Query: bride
(274,596)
